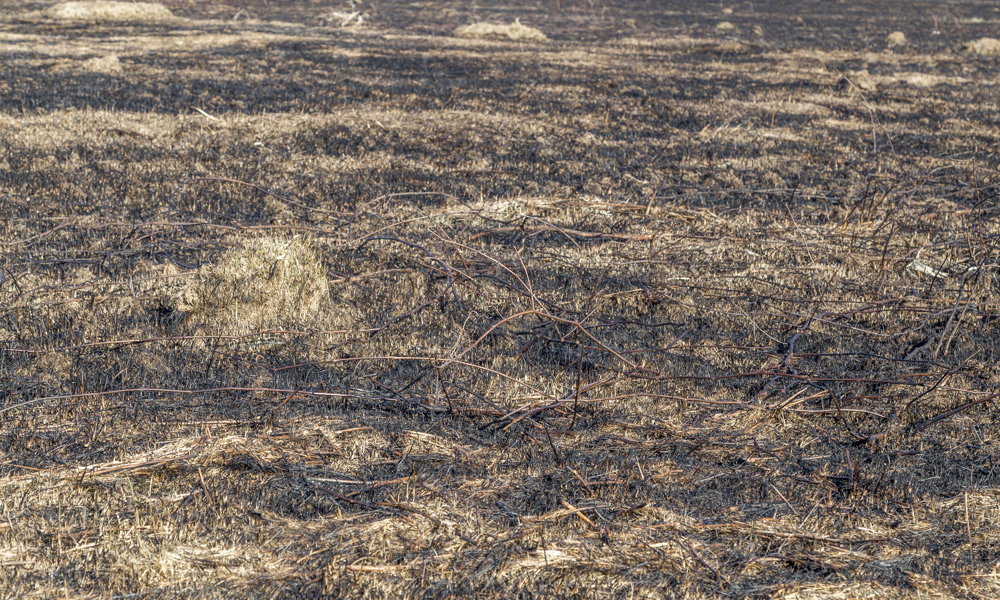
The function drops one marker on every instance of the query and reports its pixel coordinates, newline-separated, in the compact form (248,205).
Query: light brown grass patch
(108,11)
(896,38)
(863,80)
(267,282)
(983,46)
(109,65)
(515,32)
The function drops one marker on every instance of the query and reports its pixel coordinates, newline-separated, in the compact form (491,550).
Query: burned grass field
(318,300)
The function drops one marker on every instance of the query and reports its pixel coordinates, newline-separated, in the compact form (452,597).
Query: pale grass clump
(108,11)
(515,32)
(270,282)
(983,46)
(896,39)
(110,65)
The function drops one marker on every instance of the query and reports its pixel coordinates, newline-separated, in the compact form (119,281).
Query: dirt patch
(295,309)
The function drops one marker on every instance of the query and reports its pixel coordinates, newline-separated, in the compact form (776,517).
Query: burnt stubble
(294,305)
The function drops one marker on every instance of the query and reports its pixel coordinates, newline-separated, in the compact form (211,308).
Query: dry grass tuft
(863,80)
(109,11)
(340,18)
(265,283)
(896,38)
(109,65)
(983,47)
(515,32)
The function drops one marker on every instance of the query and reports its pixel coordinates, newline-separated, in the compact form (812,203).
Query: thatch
(108,11)
(983,46)
(896,38)
(268,282)
(515,32)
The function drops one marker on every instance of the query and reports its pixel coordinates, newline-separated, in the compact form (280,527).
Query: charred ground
(652,308)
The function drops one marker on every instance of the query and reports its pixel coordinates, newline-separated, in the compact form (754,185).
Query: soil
(648,308)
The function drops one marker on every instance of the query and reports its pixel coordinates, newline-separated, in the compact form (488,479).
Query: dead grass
(896,39)
(263,283)
(513,32)
(983,46)
(859,81)
(123,12)
(660,316)
(109,65)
